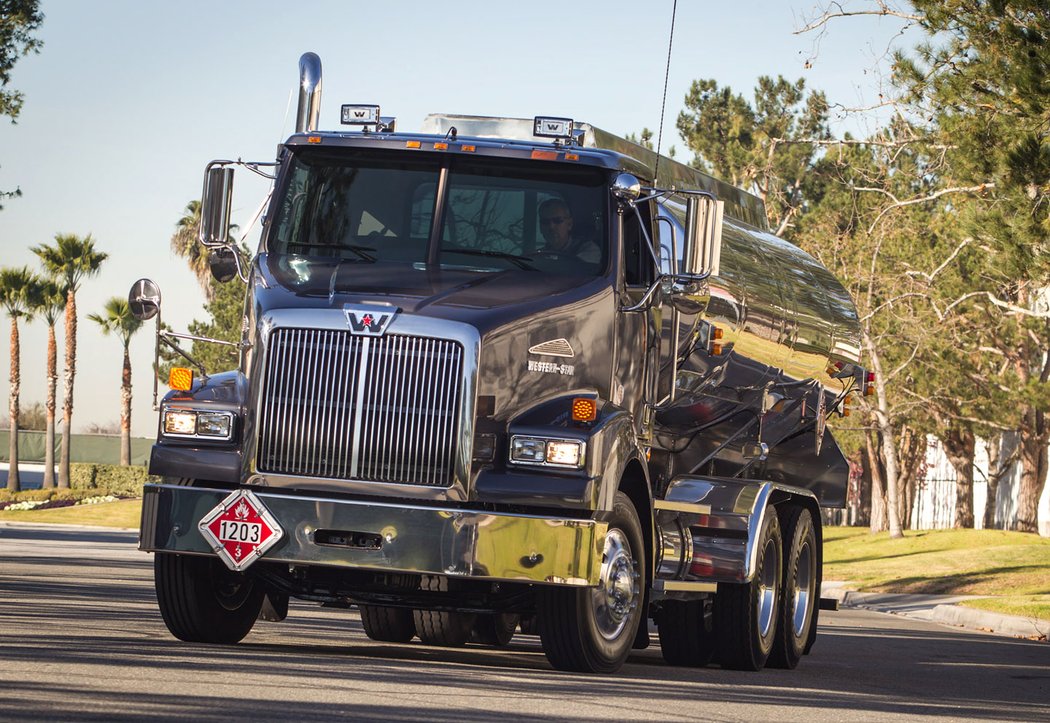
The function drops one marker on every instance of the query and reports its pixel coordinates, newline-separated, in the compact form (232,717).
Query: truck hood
(486,300)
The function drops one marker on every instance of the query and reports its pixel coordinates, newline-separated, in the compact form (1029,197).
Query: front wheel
(203,602)
(592,630)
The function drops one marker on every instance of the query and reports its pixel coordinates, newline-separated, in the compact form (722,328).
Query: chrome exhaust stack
(309,93)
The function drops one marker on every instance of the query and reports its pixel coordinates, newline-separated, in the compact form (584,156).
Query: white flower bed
(97,500)
(27,505)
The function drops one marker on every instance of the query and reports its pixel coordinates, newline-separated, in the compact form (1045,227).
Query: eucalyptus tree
(983,80)
(20,291)
(118,320)
(51,304)
(69,261)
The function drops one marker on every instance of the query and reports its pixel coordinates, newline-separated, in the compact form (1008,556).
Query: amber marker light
(584,410)
(441,146)
(572,156)
(313,139)
(716,333)
(716,349)
(468,149)
(180,379)
(545,155)
(413,144)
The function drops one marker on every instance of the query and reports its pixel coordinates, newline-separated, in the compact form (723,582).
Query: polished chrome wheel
(616,597)
(803,591)
(769,581)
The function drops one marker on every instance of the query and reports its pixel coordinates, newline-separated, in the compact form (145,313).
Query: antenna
(663,104)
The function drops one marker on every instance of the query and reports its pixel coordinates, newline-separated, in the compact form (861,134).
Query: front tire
(203,602)
(592,630)
(440,627)
(745,616)
(800,591)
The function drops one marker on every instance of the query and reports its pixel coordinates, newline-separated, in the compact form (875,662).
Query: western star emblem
(240,529)
(368,321)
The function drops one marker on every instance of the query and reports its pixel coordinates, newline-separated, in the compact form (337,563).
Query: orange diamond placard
(240,529)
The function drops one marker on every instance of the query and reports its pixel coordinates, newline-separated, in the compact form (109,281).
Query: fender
(708,526)
(198,457)
(611,446)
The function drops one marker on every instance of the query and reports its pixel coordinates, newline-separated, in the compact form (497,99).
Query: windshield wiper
(362,252)
(522,262)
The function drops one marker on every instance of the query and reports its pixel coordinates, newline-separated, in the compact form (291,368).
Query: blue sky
(128,100)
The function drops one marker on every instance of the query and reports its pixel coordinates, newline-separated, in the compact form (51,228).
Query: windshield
(495,214)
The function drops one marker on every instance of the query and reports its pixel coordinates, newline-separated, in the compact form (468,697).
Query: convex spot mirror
(144,299)
(223,264)
(626,187)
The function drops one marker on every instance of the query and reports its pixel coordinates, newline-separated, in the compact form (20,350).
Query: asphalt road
(81,639)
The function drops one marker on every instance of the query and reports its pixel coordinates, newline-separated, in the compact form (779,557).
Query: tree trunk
(959,446)
(13,482)
(1033,469)
(886,440)
(125,410)
(996,470)
(879,520)
(67,402)
(912,461)
(52,383)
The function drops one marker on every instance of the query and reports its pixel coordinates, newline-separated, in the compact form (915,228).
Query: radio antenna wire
(663,103)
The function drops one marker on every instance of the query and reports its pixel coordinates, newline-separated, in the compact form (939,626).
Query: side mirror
(144,299)
(222,262)
(702,253)
(215,206)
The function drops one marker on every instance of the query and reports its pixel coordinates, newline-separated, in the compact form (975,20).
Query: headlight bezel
(550,444)
(222,420)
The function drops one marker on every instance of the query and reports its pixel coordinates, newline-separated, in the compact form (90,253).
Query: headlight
(191,423)
(566,453)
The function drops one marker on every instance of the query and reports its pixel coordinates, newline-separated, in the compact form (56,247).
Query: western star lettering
(551,368)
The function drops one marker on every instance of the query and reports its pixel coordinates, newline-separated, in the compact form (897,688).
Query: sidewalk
(938,609)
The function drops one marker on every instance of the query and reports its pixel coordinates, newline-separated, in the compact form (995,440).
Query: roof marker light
(441,146)
(413,144)
(468,149)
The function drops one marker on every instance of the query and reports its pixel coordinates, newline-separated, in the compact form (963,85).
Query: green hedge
(109,479)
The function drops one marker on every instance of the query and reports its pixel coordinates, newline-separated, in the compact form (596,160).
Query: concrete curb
(939,609)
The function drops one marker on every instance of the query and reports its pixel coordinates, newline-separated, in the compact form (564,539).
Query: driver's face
(556,227)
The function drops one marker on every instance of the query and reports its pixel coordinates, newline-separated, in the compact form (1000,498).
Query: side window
(637,261)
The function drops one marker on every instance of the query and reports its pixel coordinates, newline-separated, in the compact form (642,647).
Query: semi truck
(505,376)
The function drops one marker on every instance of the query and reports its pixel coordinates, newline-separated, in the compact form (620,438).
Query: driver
(556,225)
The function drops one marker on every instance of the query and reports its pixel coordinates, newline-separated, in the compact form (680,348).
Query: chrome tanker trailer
(505,375)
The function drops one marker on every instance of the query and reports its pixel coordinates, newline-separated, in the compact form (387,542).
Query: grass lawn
(1012,566)
(122,513)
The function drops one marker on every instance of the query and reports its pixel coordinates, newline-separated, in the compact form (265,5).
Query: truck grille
(366,408)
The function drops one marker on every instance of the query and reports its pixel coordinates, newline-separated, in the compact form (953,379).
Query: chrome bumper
(427,540)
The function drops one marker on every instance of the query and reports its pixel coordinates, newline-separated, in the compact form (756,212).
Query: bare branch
(930,277)
(1010,308)
(980,188)
(882,9)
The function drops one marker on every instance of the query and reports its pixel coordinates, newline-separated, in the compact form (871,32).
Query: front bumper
(426,540)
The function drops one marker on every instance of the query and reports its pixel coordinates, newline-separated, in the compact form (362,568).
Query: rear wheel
(440,627)
(593,629)
(799,593)
(686,632)
(202,601)
(496,629)
(387,624)
(745,616)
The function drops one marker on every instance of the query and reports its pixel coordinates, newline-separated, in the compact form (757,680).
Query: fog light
(528,449)
(564,453)
(214,424)
(177,421)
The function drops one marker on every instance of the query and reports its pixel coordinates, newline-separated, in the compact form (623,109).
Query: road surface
(81,638)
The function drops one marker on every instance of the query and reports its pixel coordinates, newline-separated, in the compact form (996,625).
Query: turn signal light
(584,410)
(716,333)
(869,388)
(180,379)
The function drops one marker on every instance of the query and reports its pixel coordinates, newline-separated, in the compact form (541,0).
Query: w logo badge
(368,322)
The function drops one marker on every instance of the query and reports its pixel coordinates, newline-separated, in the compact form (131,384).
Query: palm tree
(52,302)
(184,244)
(69,261)
(19,293)
(118,320)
